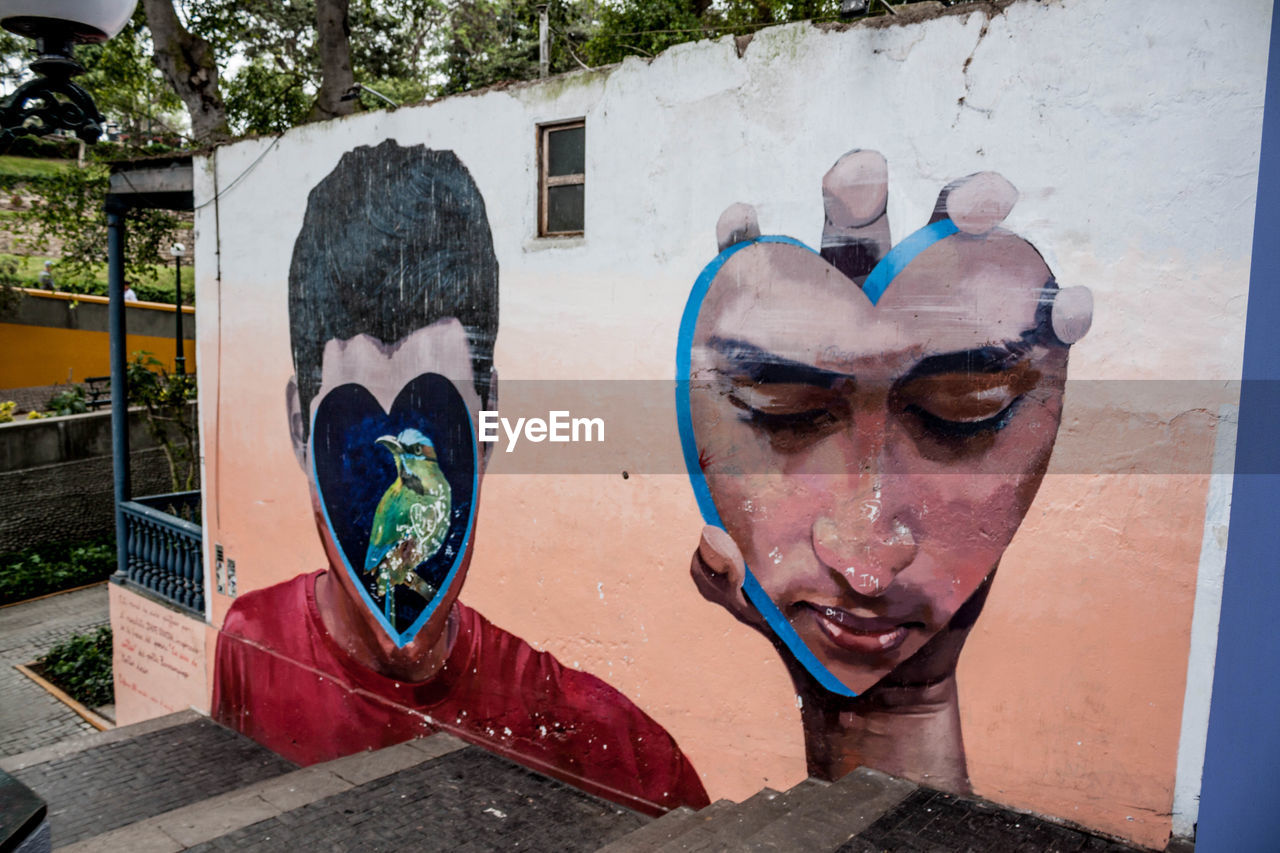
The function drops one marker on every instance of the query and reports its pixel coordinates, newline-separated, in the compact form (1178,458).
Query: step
(929,819)
(653,835)
(101,782)
(213,817)
(728,830)
(822,819)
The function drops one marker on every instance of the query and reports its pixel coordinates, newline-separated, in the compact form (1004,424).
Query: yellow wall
(32,355)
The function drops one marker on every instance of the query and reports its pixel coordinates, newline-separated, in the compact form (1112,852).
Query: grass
(30,267)
(51,568)
(30,167)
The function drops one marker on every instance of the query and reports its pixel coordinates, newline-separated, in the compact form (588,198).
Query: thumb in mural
(411,520)
(865,428)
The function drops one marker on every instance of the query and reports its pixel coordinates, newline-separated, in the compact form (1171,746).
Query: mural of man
(393,308)
(865,428)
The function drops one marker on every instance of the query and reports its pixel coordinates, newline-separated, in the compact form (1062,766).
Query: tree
(70,208)
(128,88)
(189,64)
(492,41)
(333,43)
(646,28)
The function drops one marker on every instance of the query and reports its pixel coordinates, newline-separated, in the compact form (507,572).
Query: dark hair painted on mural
(394,239)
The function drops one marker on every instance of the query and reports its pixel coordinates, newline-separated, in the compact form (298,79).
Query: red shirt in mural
(282,680)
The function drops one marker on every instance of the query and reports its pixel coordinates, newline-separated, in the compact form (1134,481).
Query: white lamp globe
(82,20)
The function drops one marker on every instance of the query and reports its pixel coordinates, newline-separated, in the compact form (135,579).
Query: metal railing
(164,547)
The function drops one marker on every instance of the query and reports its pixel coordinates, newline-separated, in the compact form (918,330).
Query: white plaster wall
(1131,129)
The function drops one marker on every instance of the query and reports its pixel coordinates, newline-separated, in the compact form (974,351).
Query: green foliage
(70,401)
(82,667)
(744,14)
(10,296)
(491,41)
(644,28)
(26,169)
(70,206)
(392,45)
(7,408)
(261,98)
(165,397)
(26,273)
(127,86)
(50,568)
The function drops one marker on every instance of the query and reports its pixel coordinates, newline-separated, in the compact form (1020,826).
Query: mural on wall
(865,428)
(393,312)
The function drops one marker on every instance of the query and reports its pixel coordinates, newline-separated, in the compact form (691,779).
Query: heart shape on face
(397,490)
(893,263)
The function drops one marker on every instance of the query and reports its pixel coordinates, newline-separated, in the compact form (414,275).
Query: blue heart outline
(403,638)
(893,262)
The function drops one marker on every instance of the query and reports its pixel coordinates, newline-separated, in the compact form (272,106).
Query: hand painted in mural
(865,428)
(393,308)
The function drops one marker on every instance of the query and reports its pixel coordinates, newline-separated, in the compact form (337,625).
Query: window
(562,157)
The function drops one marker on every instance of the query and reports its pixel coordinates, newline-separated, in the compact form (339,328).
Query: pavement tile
(301,787)
(465,800)
(29,716)
(933,822)
(366,766)
(140,838)
(122,782)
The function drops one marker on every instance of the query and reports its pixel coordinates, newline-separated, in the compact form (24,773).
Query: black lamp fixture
(51,101)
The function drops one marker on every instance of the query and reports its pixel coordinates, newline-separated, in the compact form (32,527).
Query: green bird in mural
(412,519)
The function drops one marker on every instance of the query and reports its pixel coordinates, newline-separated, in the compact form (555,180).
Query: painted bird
(412,519)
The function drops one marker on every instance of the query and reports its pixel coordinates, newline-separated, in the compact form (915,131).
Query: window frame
(547,181)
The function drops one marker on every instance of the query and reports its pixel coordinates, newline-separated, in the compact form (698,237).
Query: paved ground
(929,821)
(467,800)
(119,783)
(29,716)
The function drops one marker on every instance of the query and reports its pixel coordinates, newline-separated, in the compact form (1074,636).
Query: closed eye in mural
(865,427)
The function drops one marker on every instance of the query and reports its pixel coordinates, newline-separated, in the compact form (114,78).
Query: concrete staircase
(185,783)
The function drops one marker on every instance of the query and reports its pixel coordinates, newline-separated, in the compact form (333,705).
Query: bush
(50,568)
(82,667)
(70,401)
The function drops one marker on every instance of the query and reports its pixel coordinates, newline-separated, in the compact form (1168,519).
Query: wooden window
(562,157)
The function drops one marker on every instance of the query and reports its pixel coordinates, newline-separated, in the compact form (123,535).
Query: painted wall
(157,661)
(50,338)
(1132,137)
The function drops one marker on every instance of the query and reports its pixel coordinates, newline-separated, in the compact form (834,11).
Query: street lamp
(179,360)
(51,101)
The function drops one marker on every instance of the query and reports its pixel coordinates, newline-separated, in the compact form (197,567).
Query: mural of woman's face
(873,462)
(394,470)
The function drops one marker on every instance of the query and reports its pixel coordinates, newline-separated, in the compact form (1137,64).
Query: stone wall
(56,477)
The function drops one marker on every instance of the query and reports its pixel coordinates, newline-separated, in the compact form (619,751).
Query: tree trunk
(188,64)
(333,39)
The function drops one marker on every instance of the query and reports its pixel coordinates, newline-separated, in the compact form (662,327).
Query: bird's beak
(390,443)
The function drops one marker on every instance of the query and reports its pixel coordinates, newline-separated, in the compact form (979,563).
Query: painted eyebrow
(993,358)
(767,368)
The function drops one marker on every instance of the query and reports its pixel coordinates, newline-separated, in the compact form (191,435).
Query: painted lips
(856,633)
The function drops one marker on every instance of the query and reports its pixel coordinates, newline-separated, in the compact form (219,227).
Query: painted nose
(864,547)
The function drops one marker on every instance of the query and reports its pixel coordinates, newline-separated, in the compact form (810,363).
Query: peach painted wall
(1073,682)
(158,661)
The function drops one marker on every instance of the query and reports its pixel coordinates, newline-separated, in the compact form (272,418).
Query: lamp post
(51,101)
(179,361)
